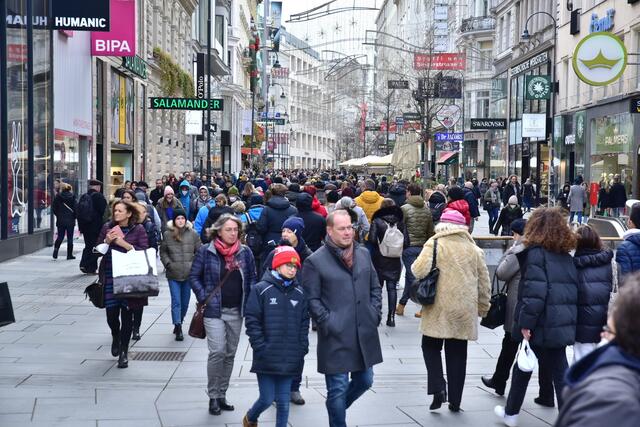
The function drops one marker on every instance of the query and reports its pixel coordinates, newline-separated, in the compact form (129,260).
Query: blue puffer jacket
(185,200)
(277,322)
(628,253)
(202,215)
(205,276)
(594,289)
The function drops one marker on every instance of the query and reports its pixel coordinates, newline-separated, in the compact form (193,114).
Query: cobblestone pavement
(56,368)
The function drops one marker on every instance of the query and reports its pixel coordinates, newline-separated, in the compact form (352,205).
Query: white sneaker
(508,420)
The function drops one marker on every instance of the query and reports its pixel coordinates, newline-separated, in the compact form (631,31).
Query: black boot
(224,405)
(123,360)
(214,407)
(392,296)
(438,399)
(70,252)
(55,252)
(136,334)
(491,383)
(179,336)
(115,345)
(391,321)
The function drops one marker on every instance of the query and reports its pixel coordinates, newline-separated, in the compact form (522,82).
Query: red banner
(439,61)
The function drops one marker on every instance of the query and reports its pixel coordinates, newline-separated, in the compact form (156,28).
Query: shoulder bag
(95,293)
(498,310)
(423,291)
(196,328)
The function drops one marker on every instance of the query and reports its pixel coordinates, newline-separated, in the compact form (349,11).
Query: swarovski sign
(484,124)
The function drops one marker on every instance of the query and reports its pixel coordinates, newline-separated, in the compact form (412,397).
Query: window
(482,104)
(220,29)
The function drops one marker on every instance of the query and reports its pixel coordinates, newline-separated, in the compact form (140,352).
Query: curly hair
(548,228)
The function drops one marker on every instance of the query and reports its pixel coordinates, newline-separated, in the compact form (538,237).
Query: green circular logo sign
(538,87)
(599,59)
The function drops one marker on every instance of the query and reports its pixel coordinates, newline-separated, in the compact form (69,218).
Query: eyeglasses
(291,266)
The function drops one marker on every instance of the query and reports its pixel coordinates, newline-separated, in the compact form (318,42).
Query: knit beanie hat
(455,193)
(233,191)
(295,224)
(310,190)
(179,212)
(333,196)
(168,190)
(140,196)
(452,216)
(256,199)
(513,200)
(517,225)
(285,255)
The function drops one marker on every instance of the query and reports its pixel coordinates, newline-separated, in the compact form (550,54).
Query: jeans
(180,294)
(579,213)
(455,354)
(409,256)
(617,211)
(494,213)
(272,387)
(68,230)
(341,393)
(223,335)
(555,360)
(114,316)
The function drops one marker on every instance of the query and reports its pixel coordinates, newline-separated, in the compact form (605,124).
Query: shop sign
(541,58)
(193,123)
(186,104)
(439,61)
(121,39)
(449,115)
(449,88)
(449,136)
(538,87)
(570,140)
(373,128)
(397,84)
(80,15)
(136,65)
(412,117)
(483,124)
(399,121)
(280,73)
(634,104)
(600,59)
(581,122)
(448,145)
(200,75)
(602,24)
(534,125)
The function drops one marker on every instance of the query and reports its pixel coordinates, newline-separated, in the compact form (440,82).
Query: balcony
(477,24)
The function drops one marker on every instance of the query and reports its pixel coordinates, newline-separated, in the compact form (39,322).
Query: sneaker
(508,420)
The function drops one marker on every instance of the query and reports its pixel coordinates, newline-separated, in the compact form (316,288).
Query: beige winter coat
(463,290)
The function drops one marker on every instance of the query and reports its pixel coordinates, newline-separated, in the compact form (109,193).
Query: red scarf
(228,252)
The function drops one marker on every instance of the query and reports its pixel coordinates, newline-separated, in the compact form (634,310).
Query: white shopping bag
(135,273)
(527,360)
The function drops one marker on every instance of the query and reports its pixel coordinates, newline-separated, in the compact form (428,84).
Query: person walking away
(603,388)
(89,212)
(277,321)
(577,201)
(369,200)
(253,239)
(456,201)
(361,223)
(508,214)
(547,308)
(315,226)
(388,235)
(628,253)
(166,206)
(123,233)
(512,188)
(492,203)
(528,194)
(419,222)
(225,267)
(463,294)
(179,246)
(508,270)
(595,281)
(603,198)
(277,209)
(64,208)
(617,196)
(437,202)
(347,316)
(472,201)
(398,193)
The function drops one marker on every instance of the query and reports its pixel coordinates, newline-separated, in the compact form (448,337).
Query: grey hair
(345,203)
(443,227)
(214,230)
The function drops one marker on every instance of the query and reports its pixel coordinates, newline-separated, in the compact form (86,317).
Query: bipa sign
(121,39)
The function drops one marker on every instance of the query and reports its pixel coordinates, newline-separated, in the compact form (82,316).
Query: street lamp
(526,36)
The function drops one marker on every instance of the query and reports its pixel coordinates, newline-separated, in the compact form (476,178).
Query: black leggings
(62,230)
(114,317)
(137,318)
(392,295)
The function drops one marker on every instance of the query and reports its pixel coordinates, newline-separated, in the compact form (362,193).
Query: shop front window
(611,145)
(42,129)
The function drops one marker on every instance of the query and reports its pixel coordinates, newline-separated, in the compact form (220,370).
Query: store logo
(538,87)
(602,24)
(600,59)
(580,127)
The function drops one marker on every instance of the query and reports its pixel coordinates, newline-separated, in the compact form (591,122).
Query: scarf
(345,254)
(285,282)
(228,253)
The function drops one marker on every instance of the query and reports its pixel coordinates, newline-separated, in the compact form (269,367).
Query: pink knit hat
(168,190)
(452,216)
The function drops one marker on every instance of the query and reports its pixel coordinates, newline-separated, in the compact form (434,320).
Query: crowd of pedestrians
(282,250)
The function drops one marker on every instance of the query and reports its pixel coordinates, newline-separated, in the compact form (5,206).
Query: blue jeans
(494,213)
(341,393)
(272,387)
(579,213)
(409,256)
(180,294)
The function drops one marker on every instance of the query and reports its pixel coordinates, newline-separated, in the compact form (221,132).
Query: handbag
(134,276)
(196,327)
(6,307)
(423,291)
(498,310)
(527,360)
(95,293)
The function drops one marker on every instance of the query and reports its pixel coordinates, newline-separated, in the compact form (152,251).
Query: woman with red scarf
(222,272)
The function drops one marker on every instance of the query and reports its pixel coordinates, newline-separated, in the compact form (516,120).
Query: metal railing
(478,23)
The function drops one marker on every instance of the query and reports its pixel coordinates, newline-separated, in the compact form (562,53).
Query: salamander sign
(186,104)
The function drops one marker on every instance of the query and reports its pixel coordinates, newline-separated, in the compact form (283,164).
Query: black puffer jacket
(64,208)
(595,276)
(507,215)
(315,226)
(277,322)
(387,268)
(214,213)
(275,213)
(547,298)
(398,193)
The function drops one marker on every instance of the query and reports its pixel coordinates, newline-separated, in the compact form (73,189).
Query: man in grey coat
(345,300)
(577,200)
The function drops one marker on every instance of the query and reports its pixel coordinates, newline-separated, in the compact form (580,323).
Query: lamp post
(527,36)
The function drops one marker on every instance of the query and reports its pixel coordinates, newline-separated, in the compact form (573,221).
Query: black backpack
(84,210)
(253,239)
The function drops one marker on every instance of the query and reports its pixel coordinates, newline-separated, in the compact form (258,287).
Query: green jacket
(417,218)
(177,256)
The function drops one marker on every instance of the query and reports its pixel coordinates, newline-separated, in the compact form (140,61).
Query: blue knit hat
(295,224)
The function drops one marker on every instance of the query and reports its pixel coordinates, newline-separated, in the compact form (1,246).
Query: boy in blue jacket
(277,322)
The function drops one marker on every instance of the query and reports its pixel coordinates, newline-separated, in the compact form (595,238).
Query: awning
(448,158)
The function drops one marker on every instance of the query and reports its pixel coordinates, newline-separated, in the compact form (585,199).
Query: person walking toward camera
(179,245)
(64,208)
(227,269)
(277,321)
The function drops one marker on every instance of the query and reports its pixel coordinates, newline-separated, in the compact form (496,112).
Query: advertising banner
(534,125)
(439,61)
(121,39)
(80,15)
(200,76)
